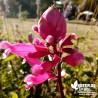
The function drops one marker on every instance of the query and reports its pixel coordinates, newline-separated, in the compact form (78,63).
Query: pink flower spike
(74,59)
(68,40)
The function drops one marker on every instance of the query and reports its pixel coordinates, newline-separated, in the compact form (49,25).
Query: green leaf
(46,58)
(22,91)
(88,73)
(11,57)
(15,95)
(81,39)
(89,59)
(69,70)
(96,55)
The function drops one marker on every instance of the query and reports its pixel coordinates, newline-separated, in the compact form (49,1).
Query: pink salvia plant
(52,28)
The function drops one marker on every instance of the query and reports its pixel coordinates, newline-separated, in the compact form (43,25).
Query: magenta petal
(40,78)
(56,59)
(37,70)
(41,48)
(32,61)
(42,68)
(31,79)
(41,52)
(20,49)
(47,65)
(74,59)
(38,54)
(5,45)
(68,40)
(70,50)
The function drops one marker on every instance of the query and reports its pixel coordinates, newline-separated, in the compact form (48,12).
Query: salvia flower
(52,28)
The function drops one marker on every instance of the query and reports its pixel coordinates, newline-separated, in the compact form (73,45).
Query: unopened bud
(50,39)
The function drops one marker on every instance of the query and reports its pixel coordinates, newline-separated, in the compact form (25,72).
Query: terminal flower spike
(52,29)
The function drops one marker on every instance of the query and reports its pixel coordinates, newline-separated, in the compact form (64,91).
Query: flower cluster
(52,28)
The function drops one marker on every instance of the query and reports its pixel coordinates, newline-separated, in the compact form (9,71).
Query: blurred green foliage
(31,7)
(24,15)
(45,4)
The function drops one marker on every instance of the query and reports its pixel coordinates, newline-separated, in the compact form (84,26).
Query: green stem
(14,70)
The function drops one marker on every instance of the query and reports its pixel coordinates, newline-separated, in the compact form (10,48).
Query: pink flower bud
(30,38)
(35,27)
(50,39)
(52,23)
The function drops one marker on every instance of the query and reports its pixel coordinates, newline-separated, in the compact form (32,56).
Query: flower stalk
(60,86)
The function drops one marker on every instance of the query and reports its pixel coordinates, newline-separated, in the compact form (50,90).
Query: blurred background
(13,8)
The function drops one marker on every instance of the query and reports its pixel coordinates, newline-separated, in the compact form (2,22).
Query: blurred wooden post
(92,2)
(81,6)
(20,6)
(96,12)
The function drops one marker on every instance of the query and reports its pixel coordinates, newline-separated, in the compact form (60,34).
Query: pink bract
(30,38)
(51,23)
(74,59)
